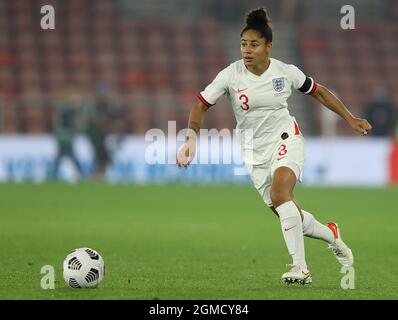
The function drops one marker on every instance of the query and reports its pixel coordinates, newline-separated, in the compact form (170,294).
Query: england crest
(279,84)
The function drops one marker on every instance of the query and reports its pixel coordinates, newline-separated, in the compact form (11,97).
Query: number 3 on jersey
(245,100)
(282,151)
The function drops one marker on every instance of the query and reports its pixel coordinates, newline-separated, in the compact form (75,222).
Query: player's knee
(279,197)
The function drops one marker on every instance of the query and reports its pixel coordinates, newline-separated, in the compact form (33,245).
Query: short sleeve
(297,77)
(300,81)
(216,89)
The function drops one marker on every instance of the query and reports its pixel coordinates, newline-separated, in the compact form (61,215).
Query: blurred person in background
(271,142)
(95,119)
(65,128)
(117,118)
(381,114)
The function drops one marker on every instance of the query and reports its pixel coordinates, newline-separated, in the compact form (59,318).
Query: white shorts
(285,153)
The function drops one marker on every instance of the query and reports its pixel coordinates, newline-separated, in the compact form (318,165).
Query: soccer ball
(83,268)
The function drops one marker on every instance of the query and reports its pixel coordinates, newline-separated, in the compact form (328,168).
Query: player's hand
(186,153)
(361,126)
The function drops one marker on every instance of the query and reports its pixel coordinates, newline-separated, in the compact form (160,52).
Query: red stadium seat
(94,41)
(20,6)
(9,119)
(34,119)
(77,7)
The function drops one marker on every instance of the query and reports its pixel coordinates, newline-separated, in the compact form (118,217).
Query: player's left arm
(329,100)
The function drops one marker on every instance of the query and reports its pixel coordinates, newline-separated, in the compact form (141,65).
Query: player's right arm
(188,150)
(207,98)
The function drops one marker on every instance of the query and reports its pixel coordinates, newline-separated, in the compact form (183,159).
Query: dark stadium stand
(157,65)
(150,63)
(350,64)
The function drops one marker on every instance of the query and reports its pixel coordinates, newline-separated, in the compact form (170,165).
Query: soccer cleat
(297,275)
(339,248)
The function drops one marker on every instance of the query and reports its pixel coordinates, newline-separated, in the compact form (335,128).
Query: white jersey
(259,103)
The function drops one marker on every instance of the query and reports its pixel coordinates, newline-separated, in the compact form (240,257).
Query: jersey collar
(256,77)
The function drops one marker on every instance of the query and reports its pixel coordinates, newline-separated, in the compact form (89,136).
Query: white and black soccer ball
(83,268)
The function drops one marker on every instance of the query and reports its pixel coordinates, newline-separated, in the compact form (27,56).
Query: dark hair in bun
(259,21)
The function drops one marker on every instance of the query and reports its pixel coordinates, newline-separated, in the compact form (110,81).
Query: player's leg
(329,233)
(293,158)
(312,228)
(281,193)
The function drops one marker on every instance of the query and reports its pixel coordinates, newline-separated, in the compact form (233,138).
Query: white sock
(314,229)
(292,230)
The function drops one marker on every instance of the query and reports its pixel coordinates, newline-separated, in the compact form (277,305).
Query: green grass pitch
(190,242)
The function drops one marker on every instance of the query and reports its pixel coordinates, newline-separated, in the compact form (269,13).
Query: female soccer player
(271,142)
